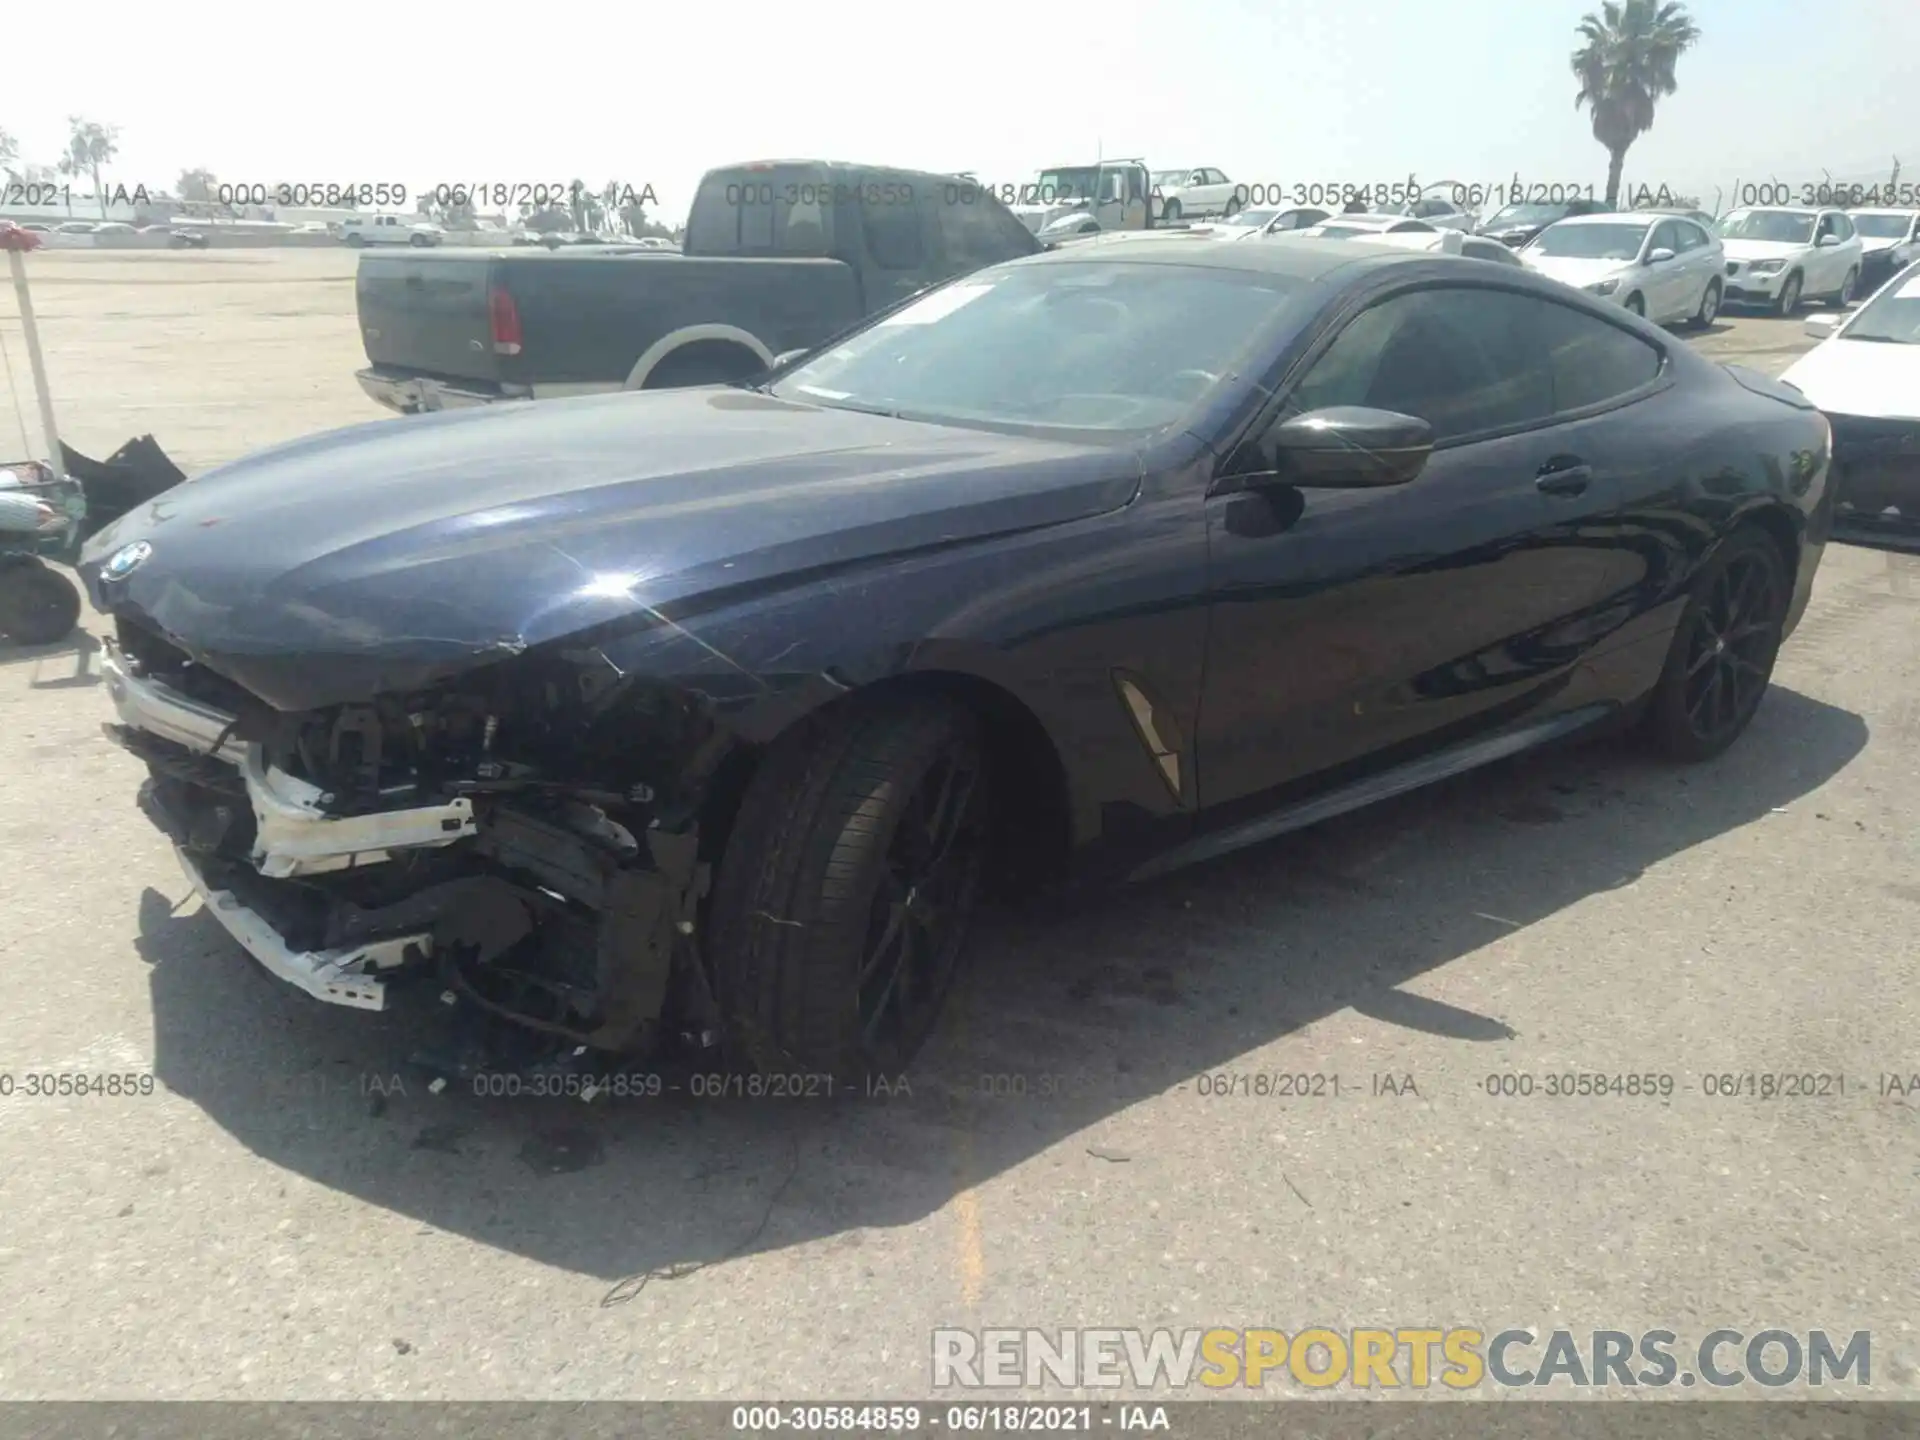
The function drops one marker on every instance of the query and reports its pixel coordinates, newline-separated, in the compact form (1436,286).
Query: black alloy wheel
(843,898)
(917,925)
(1723,654)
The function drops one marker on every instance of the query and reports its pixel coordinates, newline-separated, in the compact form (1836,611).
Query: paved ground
(264,1225)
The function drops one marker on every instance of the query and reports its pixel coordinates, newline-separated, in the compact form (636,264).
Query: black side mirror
(1344,447)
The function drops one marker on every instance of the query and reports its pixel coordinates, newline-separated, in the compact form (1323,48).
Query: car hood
(392,554)
(1860,377)
(1575,270)
(1762,249)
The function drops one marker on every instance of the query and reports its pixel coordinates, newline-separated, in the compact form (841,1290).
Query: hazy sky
(1283,91)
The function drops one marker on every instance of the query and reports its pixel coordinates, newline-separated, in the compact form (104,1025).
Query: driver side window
(1458,358)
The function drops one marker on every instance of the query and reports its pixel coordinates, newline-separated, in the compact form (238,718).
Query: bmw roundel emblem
(124,561)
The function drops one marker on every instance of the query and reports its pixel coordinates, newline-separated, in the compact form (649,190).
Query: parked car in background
(1699,217)
(1889,241)
(777,257)
(1515,225)
(1194,194)
(77,227)
(1778,256)
(1345,227)
(1865,377)
(390,230)
(1660,266)
(1480,247)
(1265,220)
(187,239)
(1436,210)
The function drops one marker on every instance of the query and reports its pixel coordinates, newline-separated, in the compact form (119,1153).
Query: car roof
(1903,211)
(1789,209)
(1614,217)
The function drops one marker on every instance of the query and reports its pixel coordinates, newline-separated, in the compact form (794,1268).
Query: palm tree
(1625,65)
(90,145)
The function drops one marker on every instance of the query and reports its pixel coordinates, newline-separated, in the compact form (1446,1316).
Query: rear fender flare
(666,345)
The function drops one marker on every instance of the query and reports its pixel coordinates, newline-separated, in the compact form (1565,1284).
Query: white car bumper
(294,837)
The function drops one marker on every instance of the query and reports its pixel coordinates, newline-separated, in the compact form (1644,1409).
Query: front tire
(1637,305)
(1721,661)
(37,606)
(847,886)
(1170,214)
(1789,296)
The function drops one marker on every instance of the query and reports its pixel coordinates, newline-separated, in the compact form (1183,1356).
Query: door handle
(1569,477)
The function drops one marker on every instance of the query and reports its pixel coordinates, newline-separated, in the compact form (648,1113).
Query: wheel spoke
(869,1032)
(950,811)
(893,934)
(1706,694)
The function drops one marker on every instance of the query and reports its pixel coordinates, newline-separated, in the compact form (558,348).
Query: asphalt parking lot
(290,1215)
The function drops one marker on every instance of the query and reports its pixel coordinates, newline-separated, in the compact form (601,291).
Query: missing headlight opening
(528,841)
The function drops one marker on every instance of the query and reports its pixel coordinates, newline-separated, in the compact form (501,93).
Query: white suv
(1780,255)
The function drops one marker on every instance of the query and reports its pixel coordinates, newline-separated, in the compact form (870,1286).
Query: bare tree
(9,155)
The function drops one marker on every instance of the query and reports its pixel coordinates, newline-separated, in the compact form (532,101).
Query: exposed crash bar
(340,977)
(295,835)
(163,711)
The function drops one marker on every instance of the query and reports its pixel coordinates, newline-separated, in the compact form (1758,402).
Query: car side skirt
(1413,775)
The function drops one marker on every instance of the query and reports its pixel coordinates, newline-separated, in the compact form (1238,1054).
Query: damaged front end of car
(526,837)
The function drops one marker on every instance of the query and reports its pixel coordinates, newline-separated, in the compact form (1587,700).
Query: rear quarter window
(782,210)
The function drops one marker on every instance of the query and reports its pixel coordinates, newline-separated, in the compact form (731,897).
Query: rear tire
(1723,651)
(1844,295)
(37,606)
(845,892)
(1709,310)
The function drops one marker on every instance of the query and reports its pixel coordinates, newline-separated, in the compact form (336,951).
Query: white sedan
(1194,194)
(1661,266)
(1778,255)
(1267,220)
(1865,377)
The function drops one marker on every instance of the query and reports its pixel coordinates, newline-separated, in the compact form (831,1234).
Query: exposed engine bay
(526,838)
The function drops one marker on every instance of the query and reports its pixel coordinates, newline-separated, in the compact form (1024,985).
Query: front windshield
(1119,349)
(1054,187)
(1591,242)
(1882,227)
(1787,227)
(1893,315)
(1342,232)
(1527,214)
(1254,217)
(1393,210)
(1170,177)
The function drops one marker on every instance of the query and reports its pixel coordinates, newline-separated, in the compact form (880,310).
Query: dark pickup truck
(778,257)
